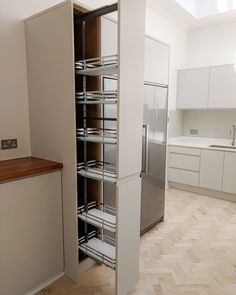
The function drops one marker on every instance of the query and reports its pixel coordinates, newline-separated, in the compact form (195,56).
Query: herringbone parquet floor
(192,253)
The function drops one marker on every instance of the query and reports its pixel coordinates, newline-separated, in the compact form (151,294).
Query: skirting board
(45,284)
(203,191)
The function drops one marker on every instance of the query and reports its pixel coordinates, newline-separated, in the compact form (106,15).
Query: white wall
(14,116)
(167,30)
(214,45)
(14,113)
(214,124)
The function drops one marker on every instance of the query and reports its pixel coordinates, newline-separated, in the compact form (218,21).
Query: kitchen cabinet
(31,231)
(184,162)
(184,165)
(156,53)
(222,91)
(211,169)
(65,86)
(203,168)
(207,88)
(156,62)
(193,86)
(229,174)
(183,176)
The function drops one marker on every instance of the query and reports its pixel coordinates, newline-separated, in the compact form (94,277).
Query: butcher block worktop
(24,167)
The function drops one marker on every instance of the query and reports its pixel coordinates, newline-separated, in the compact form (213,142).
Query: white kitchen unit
(222,91)
(195,165)
(207,88)
(31,231)
(65,70)
(184,165)
(156,53)
(211,169)
(193,88)
(229,173)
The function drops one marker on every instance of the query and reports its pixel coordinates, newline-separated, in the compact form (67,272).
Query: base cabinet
(211,169)
(31,247)
(229,173)
(203,168)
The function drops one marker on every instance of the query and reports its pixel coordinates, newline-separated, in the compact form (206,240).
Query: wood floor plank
(192,253)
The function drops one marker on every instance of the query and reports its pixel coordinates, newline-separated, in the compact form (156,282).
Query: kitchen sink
(223,146)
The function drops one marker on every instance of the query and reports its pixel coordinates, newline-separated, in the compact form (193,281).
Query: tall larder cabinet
(68,124)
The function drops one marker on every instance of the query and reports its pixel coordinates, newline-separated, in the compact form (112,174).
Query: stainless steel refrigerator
(155,115)
(153,153)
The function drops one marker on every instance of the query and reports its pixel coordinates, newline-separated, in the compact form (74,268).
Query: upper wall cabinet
(207,88)
(156,61)
(193,85)
(156,53)
(222,91)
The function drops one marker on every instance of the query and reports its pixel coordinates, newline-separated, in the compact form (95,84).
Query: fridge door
(154,155)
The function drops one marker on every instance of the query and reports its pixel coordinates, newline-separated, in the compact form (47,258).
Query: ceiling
(201,15)
(200,9)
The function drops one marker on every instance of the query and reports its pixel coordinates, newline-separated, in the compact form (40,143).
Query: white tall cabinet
(156,61)
(157,54)
(50,41)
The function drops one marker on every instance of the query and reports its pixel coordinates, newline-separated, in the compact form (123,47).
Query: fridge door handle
(145,149)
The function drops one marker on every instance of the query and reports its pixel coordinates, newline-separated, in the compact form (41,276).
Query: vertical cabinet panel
(193,86)
(130,86)
(50,69)
(128,235)
(156,62)
(222,93)
(211,169)
(229,174)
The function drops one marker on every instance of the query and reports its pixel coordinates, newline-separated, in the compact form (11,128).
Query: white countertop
(201,142)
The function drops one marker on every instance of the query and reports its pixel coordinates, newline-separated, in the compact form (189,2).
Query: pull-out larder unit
(68,107)
(91,131)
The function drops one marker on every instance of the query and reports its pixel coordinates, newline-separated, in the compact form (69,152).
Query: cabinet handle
(145,150)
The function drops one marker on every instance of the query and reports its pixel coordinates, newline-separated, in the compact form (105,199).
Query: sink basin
(223,146)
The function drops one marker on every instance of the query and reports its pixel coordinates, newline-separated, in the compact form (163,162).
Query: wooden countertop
(23,167)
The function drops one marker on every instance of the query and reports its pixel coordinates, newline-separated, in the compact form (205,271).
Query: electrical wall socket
(8,144)
(194,131)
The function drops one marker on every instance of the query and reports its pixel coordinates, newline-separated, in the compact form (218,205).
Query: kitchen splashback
(209,123)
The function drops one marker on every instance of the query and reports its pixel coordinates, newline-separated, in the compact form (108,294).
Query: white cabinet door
(222,93)
(109,36)
(156,53)
(156,62)
(193,86)
(229,175)
(211,169)
(31,232)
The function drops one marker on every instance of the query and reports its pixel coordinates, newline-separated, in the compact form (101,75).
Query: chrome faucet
(233,130)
